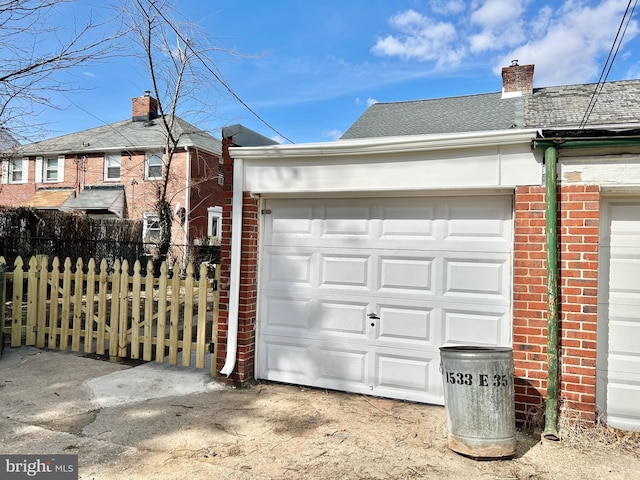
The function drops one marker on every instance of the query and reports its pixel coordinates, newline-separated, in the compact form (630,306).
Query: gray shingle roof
(549,107)
(565,106)
(123,136)
(444,115)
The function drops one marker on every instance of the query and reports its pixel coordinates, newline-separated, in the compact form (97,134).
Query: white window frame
(43,169)
(214,222)
(110,161)
(148,165)
(50,169)
(8,170)
(150,234)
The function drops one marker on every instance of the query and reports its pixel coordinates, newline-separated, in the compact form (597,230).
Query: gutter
(234,270)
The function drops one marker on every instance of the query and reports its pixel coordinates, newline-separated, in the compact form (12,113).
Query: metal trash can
(479,400)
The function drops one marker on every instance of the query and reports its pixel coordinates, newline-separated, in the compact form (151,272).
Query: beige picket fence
(98,311)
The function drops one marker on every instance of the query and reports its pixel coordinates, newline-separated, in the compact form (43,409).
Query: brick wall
(578,224)
(244,370)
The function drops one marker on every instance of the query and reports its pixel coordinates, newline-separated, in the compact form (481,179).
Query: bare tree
(35,50)
(178,59)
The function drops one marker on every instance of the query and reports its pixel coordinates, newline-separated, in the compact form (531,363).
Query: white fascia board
(399,144)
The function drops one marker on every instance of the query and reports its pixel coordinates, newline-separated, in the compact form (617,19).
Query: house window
(151,227)
(18,170)
(51,170)
(112,162)
(153,166)
(214,228)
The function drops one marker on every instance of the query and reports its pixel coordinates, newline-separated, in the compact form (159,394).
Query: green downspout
(551,410)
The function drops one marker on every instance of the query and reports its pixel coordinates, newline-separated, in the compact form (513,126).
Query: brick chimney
(517,80)
(144,108)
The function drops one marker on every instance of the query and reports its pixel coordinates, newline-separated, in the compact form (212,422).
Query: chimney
(144,108)
(517,80)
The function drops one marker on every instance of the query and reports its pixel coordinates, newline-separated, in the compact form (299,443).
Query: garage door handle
(373,316)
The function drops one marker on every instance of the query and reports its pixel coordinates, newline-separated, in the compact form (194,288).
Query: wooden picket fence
(96,311)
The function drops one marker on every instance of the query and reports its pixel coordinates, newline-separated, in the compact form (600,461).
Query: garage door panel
(342,364)
(347,221)
(471,278)
(283,269)
(342,318)
(291,221)
(474,327)
(405,327)
(411,274)
(623,268)
(625,339)
(407,378)
(346,271)
(408,223)
(286,361)
(289,314)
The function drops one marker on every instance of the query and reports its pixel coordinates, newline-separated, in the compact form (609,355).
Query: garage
(358,294)
(618,361)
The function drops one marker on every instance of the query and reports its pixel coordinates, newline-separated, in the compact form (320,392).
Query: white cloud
(571,47)
(420,38)
(371,101)
(496,13)
(567,40)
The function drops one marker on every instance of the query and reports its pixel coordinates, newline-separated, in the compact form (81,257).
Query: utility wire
(216,76)
(612,56)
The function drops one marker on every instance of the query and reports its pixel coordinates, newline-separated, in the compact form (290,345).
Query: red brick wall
(244,369)
(205,191)
(578,224)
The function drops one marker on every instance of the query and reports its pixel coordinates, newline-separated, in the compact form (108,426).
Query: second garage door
(358,294)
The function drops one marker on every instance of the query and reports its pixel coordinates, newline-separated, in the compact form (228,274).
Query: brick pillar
(579,218)
(578,224)
(529,303)
(244,369)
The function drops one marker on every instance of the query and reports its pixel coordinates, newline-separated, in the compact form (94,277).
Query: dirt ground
(274,431)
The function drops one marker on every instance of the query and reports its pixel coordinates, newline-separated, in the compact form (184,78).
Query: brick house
(425,225)
(114,170)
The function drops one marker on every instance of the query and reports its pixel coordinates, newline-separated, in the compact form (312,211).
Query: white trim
(5,172)
(234,273)
(39,169)
(214,212)
(61,159)
(402,144)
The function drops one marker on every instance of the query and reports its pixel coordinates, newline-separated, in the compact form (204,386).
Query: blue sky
(311,68)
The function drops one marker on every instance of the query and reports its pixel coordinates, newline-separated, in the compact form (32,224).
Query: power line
(216,76)
(612,56)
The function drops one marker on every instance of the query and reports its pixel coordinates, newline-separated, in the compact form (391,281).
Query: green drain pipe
(551,408)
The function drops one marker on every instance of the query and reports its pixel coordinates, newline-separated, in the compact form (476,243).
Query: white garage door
(618,381)
(359,294)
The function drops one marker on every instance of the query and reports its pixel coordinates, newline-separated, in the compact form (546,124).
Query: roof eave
(382,145)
